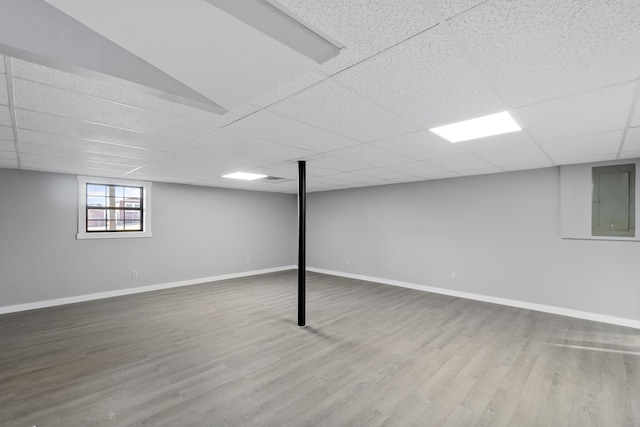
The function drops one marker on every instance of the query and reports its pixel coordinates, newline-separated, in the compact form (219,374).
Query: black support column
(302,241)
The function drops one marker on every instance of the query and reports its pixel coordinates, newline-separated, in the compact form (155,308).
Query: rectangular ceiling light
(494,124)
(244,175)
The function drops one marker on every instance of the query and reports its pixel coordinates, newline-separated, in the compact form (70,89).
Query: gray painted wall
(499,233)
(197,232)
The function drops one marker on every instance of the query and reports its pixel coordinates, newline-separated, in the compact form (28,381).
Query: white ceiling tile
(5,117)
(289,88)
(332,107)
(592,112)
(635,120)
(6,145)
(4,97)
(364,27)
(8,163)
(352,177)
(383,173)
(69,169)
(539,50)
(527,166)
(467,162)
(6,132)
(451,8)
(338,164)
(30,120)
(507,140)
(588,145)
(421,145)
(8,155)
(587,159)
(481,171)
(420,169)
(48,150)
(82,145)
(2,67)
(426,80)
(267,125)
(79,163)
(371,155)
(100,89)
(225,141)
(59,102)
(158,178)
(632,141)
(515,155)
(291,167)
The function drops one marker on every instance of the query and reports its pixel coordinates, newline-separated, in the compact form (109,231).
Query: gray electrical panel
(613,203)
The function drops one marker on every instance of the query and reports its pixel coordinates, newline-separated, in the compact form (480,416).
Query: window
(109,208)
(613,203)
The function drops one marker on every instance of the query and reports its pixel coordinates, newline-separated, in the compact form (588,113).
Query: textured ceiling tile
(467,162)
(420,169)
(30,120)
(8,155)
(364,27)
(5,117)
(586,113)
(630,155)
(338,164)
(426,80)
(513,139)
(2,67)
(291,167)
(583,146)
(635,120)
(225,141)
(79,163)
(451,8)
(515,155)
(4,98)
(587,159)
(289,88)
(330,106)
(266,125)
(83,145)
(353,177)
(539,50)
(371,155)
(112,92)
(47,150)
(6,145)
(421,145)
(481,171)
(45,99)
(632,141)
(159,178)
(6,132)
(383,173)
(526,166)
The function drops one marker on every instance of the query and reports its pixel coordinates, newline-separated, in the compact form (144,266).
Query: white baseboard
(129,291)
(631,323)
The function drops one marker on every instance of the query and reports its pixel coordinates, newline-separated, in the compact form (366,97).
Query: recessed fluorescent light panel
(244,175)
(494,124)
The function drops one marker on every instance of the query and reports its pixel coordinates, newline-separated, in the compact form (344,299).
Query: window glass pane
(96,190)
(95,201)
(132,192)
(96,225)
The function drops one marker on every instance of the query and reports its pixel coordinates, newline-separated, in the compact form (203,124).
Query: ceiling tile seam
(11,97)
(306,124)
(93,123)
(471,9)
(315,70)
(122,104)
(242,117)
(384,50)
(632,110)
(468,55)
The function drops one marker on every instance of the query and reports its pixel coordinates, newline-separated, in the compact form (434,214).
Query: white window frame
(82,209)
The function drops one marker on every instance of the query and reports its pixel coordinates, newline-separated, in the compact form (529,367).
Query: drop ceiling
(567,71)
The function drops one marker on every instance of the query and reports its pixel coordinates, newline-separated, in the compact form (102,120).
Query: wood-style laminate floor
(230,353)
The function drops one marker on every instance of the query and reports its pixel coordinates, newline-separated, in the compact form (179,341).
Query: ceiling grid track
(632,110)
(12,105)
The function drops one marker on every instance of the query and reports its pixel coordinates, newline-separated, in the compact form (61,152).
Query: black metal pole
(302,241)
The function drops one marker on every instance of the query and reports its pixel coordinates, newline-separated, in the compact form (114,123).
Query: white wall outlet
(453,275)
(134,274)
